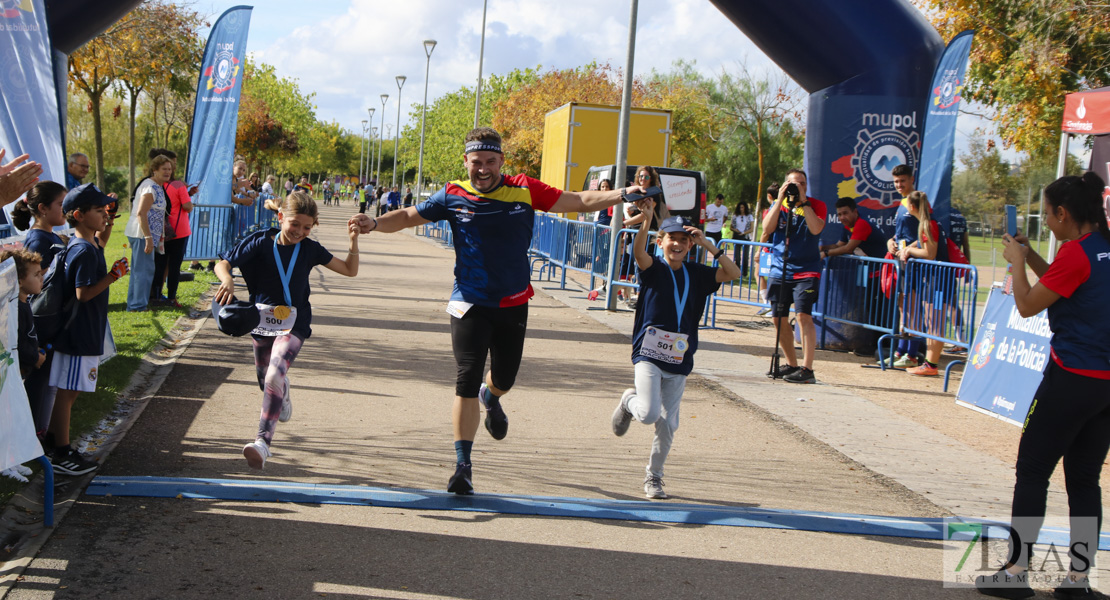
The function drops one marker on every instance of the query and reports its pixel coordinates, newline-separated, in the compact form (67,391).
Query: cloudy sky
(349,51)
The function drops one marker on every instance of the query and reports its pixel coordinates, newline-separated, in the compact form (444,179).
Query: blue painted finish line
(253,490)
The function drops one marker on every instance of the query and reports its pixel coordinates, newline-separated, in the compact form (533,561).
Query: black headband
(483,145)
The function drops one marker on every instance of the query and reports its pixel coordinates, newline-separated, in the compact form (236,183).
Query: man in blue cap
(665,332)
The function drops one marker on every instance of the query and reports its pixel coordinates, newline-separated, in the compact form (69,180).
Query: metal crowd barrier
(938,303)
(744,291)
(857,297)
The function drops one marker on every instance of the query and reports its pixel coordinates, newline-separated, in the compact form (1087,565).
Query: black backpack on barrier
(56,306)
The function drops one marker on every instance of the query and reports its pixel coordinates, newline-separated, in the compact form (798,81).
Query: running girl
(275,265)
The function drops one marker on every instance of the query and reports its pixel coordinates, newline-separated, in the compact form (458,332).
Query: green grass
(135,335)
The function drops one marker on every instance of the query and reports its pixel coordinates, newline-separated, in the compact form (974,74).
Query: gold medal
(281,312)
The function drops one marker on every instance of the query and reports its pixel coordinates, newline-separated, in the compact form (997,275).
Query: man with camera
(795,271)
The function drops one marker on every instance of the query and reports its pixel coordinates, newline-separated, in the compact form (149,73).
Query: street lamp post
(397,138)
(481,58)
(429,45)
(385,97)
(369,145)
(361,152)
(373,150)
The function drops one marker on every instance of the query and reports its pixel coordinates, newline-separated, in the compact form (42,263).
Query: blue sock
(462,451)
(915,346)
(487,397)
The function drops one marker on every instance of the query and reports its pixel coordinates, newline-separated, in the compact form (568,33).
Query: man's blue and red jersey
(1080,329)
(492,232)
(804,261)
(872,242)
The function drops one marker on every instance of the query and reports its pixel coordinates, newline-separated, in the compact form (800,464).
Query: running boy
(665,332)
(276,264)
(80,343)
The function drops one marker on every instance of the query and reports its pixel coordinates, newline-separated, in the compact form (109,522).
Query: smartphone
(654,192)
(1011,220)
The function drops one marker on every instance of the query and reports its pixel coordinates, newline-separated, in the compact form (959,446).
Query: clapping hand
(17,179)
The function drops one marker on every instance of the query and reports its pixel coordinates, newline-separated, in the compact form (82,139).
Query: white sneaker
(653,487)
(286,404)
(256,453)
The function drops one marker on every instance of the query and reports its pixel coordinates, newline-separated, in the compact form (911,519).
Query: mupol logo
(1081,112)
(870,166)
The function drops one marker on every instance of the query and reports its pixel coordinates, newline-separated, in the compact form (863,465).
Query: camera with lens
(792,194)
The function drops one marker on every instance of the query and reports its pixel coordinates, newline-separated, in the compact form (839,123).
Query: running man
(491,216)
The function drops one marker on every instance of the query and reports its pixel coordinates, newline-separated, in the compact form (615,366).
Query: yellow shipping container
(579,136)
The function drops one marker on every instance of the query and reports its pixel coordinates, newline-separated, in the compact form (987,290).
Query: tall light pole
(361,152)
(381,139)
(397,137)
(373,149)
(369,145)
(481,58)
(429,45)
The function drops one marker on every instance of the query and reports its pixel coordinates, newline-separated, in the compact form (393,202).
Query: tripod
(780,302)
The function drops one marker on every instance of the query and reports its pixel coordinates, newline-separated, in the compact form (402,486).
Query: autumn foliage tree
(1027,55)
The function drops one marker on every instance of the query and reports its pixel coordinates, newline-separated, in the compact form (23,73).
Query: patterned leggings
(272,358)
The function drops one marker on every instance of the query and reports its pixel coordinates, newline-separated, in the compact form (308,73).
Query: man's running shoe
(763,312)
(256,453)
(68,461)
(497,422)
(653,488)
(802,375)
(782,372)
(286,404)
(461,481)
(622,418)
(925,370)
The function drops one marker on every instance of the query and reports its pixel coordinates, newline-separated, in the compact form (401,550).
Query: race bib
(275,320)
(664,345)
(458,308)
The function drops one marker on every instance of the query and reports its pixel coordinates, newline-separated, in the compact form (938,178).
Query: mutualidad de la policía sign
(1006,361)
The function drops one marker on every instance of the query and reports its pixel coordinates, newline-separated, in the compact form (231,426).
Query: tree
(158,46)
(92,71)
(985,184)
(1027,55)
(281,103)
(757,108)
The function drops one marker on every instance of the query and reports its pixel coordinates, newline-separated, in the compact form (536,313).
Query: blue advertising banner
(865,137)
(938,142)
(29,120)
(212,142)
(216,113)
(1006,361)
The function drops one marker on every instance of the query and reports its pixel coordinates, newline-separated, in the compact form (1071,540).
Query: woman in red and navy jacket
(1070,414)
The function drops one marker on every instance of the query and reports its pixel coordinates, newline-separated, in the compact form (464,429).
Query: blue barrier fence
(218,227)
(856,297)
(938,303)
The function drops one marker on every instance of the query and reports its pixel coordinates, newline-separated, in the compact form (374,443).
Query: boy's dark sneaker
(801,375)
(460,482)
(621,417)
(782,372)
(67,461)
(1075,589)
(1004,585)
(497,422)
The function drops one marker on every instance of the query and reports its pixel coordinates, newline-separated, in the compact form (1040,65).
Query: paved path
(372,392)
